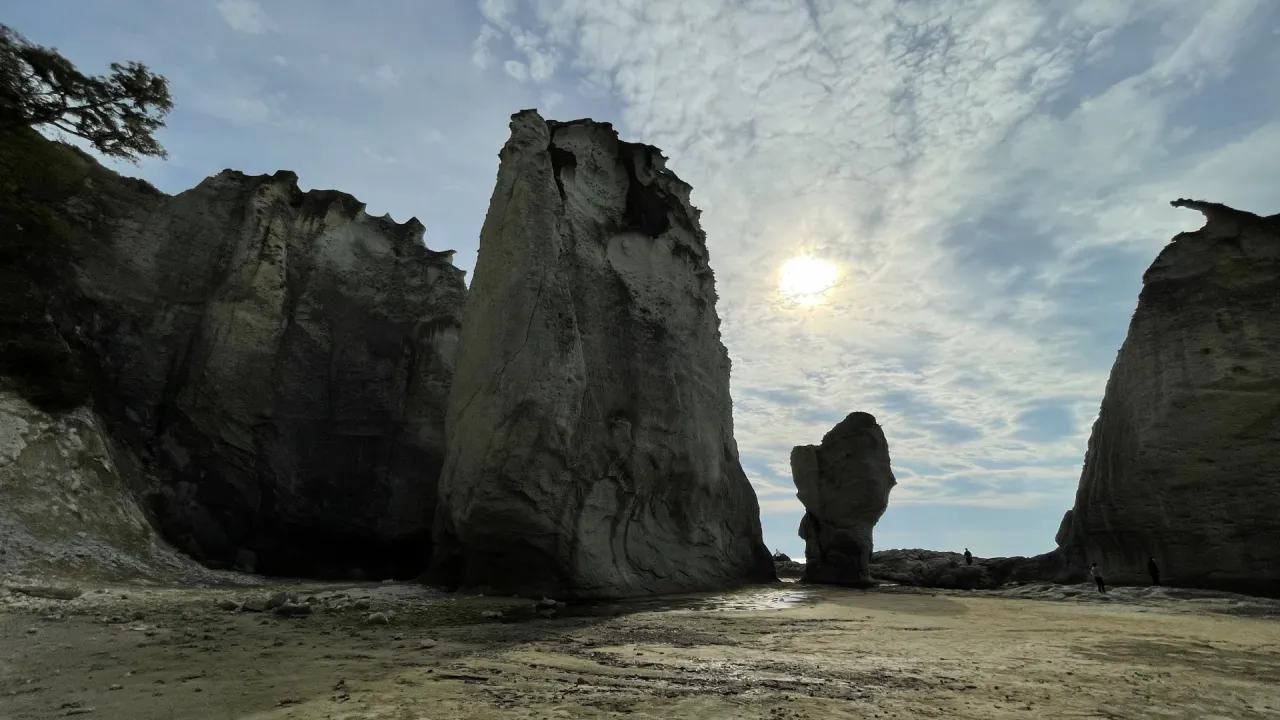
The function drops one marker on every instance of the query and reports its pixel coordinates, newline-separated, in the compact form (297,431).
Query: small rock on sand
(291,609)
(47,592)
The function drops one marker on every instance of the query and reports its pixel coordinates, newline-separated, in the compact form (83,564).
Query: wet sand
(781,652)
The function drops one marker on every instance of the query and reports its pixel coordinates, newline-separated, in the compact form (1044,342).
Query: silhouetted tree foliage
(118,113)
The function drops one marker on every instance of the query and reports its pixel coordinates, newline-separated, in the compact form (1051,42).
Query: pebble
(378,619)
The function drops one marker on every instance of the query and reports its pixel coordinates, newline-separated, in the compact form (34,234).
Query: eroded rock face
(591,449)
(1184,460)
(66,505)
(280,362)
(844,484)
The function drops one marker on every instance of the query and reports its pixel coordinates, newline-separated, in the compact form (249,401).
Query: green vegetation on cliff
(39,178)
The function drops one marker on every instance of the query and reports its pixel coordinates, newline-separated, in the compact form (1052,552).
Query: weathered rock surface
(66,506)
(932,568)
(844,484)
(279,361)
(788,568)
(590,436)
(1184,460)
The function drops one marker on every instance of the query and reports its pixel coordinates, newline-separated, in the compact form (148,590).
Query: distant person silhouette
(1097,577)
(968,557)
(1154,569)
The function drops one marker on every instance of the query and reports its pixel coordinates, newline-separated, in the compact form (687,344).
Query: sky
(990,178)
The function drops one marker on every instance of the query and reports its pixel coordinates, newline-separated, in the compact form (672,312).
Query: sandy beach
(783,651)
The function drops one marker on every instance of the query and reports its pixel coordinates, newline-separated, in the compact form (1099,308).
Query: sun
(806,280)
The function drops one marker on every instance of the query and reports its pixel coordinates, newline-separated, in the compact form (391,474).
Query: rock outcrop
(590,436)
(66,505)
(844,484)
(931,568)
(279,362)
(1184,460)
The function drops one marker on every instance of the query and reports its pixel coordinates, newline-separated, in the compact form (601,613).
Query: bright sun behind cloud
(806,280)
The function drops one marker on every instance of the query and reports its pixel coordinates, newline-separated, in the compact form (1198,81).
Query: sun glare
(806,280)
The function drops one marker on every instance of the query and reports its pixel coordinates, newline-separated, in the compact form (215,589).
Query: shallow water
(745,599)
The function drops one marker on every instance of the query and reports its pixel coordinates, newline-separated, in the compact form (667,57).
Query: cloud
(516,69)
(245,16)
(550,101)
(383,78)
(991,178)
(481,56)
(541,59)
(497,12)
(238,109)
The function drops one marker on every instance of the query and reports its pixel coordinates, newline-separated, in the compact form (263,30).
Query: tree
(118,113)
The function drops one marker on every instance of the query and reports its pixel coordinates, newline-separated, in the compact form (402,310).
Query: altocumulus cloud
(991,177)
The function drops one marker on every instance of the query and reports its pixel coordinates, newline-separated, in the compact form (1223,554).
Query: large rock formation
(844,484)
(590,437)
(279,362)
(1184,460)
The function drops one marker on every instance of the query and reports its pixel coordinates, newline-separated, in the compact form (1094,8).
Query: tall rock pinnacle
(590,435)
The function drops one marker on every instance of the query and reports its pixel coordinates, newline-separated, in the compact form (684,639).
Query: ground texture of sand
(149,652)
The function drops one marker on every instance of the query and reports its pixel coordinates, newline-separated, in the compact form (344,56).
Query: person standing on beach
(1096,574)
(968,557)
(1154,570)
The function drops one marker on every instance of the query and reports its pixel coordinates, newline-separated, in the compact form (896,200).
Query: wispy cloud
(383,78)
(990,176)
(245,16)
(516,69)
(481,56)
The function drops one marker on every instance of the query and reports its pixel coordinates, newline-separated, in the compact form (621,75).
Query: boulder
(844,484)
(278,361)
(1183,464)
(590,435)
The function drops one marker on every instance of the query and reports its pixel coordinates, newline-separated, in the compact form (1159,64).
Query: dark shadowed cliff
(1184,461)
(271,364)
